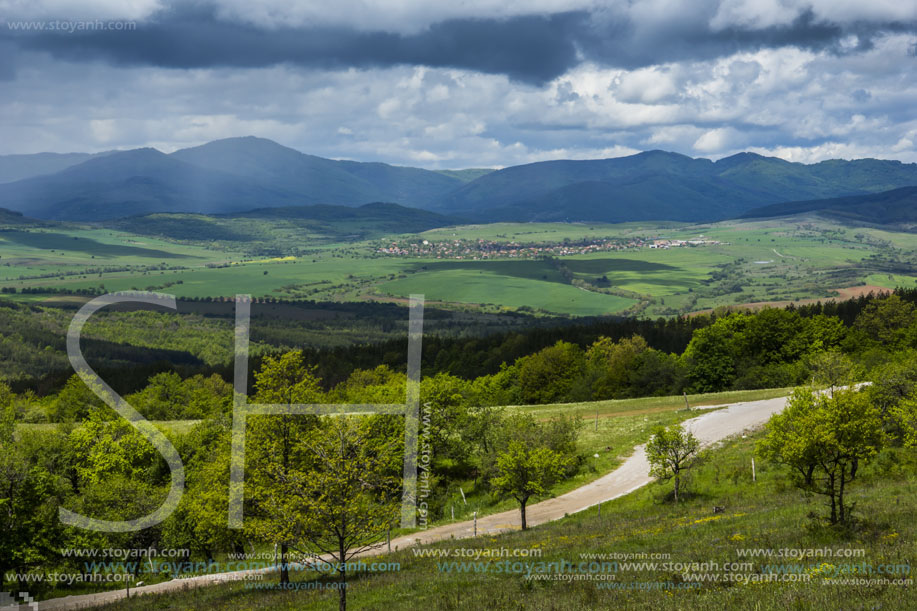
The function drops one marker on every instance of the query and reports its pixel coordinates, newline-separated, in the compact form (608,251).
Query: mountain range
(241,174)
(897,206)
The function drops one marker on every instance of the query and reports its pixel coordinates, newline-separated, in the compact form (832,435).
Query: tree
(549,374)
(199,522)
(346,500)
(612,364)
(710,356)
(275,453)
(886,321)
(74,401)
(823,439)
(831,369)
(672,451)
(524,471)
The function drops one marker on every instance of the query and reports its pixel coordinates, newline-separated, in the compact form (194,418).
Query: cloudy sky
(468,83)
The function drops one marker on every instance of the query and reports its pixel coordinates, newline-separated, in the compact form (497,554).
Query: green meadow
(741,262)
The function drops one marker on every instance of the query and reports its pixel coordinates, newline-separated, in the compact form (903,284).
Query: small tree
(831,369)
(524,472)
(672,451)
(823,439)
(274,453)
(344,503)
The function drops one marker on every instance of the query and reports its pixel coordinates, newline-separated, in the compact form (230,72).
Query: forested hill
(239,174)
(200,341)
(895,207)
(338,222)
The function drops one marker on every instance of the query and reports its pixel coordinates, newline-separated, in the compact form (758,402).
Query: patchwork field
(617,268)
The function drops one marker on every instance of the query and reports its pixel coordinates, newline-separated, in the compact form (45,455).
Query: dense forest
(94,463)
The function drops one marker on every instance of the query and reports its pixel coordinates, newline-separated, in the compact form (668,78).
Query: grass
(489,286)
(621,425)
(759,261)
(763,514)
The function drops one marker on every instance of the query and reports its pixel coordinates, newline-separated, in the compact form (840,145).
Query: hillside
(895,207)
(657,185)
(639,552)
(315,179)
(340,222)
(128,183)
(239,174)
(19,167)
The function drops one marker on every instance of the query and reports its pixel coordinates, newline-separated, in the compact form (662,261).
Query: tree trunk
(832,493)
(284,569)
(677,482)
(840,495)
(522,512)
(342,578)
(809,475)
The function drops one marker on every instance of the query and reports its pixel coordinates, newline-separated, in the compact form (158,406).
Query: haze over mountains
(241,174)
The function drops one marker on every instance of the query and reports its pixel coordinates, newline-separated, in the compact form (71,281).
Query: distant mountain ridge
(19,167)
(894,207)
(241,174)
(658,185)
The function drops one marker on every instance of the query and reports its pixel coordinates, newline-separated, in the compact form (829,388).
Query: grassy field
(743,262)
(610,429)
(705,569)
(512,284)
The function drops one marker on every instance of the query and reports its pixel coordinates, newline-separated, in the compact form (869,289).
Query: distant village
(488,249)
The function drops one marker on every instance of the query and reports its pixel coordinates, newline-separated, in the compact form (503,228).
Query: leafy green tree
(29,497)
(671,452)
(272,452)
(102,448)
(524,471)
(823,439)
(710,357)
(892,383)
(887,321)
(379,385)
(831,369)
(343,503)
(612,365)
(74,401)
(199,523)
(549,374)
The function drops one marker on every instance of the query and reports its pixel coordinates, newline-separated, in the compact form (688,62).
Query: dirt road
(709,428)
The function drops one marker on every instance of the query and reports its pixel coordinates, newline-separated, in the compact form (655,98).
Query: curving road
(709,428)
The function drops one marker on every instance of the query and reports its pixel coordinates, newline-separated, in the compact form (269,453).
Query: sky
(469,83)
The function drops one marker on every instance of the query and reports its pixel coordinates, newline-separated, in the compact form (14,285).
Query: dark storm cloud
(528,48)
(532,49)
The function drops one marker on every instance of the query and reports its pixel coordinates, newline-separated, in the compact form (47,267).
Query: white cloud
(796,104)
(85,9)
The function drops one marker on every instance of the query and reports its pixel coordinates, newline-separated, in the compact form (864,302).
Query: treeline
(772,348)
(98,465)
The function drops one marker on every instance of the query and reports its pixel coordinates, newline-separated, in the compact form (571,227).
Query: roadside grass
(622,425)
(766,514)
